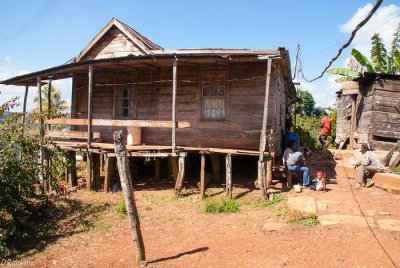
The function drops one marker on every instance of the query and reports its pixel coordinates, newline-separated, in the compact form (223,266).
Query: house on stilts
(170,103)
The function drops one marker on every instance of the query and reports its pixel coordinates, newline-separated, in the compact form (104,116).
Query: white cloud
(384,22)
(8,69)
(323,91)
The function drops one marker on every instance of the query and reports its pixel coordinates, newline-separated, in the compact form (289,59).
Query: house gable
(116,40)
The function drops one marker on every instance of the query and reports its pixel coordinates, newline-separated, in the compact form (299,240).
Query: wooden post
(263,139)
(24,105)
(96,171)
(173,165)
(71,169)
(89,173)
(126,183)
(228,165)
(215,164)
(202,176)
(353,120)
(41,131)
(157,171)
(48,127)
(174,85)
(109,176)
(181,174)
(269,173)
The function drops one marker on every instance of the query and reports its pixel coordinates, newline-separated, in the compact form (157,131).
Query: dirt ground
(177,233)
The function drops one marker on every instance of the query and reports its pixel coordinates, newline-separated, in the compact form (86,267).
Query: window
(124,103)
(213,86)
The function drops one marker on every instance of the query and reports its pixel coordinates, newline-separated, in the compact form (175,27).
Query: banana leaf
(344,72)
(362,60)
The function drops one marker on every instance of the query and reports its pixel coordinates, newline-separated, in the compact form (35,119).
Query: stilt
(71,169)
(89,168)
(262,178)
(269,172)
(181,174)
(216,167)
(96,171)
(173,167)
(157,171)
(202,176)
(228,165)
(111,163)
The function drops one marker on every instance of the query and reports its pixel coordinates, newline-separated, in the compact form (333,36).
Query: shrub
(22,217)
(121,209)
(221,206)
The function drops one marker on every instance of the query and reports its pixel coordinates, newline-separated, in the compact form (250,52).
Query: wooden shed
(368,111)
(173,101)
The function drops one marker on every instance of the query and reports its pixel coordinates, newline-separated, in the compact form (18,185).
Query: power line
(353,34)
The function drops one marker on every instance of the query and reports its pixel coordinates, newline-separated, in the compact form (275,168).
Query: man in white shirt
(368,167)
(291,145)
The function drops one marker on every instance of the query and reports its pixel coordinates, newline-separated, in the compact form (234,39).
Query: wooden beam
(90,106)
(126,183)
(202,176)
(41,130)
(49,104)
(24,105)
(71,169)
(89,173)
(111,163)
(353,120)
(174,85)
(228,167)
(263,139)
(181,174)
(269,173)
(118,123)
(65,134)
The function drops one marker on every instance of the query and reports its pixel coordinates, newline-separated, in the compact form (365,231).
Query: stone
(389,224)
(344,219)
(273,226)
(304,204)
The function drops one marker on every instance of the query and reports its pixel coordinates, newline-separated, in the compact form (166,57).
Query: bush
(22,217)
(221,206)
(308,128)
(121,209)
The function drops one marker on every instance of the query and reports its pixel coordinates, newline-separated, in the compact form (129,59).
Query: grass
(293,216)
(121,209)
(221,206)
(266,203)
(396,169)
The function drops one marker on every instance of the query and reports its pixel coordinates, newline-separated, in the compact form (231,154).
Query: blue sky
(40,34)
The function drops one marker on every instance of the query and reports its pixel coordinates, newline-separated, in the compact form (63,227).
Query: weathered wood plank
(181,174)
(202,176)
(117,123)
(65,134)
(228,168)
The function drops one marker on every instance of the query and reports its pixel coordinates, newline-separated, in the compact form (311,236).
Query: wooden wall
(241,128)
(378,119)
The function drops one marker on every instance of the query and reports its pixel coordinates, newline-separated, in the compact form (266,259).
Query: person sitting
(368,167)
(291,145)
(297,162)
(320,182)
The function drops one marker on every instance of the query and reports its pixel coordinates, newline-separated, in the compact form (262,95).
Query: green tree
(381,60)
(306,106)
(58,105)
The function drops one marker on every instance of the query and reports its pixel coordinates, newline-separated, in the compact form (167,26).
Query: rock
(273,226)
(344,219)
(304,204)
(389,224)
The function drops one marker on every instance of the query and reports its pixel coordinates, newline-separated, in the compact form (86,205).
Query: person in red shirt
(325,130)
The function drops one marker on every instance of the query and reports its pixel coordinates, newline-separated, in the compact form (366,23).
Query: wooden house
(173,101)
(368,111)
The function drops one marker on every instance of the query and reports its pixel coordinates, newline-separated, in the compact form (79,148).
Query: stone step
(387,181)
